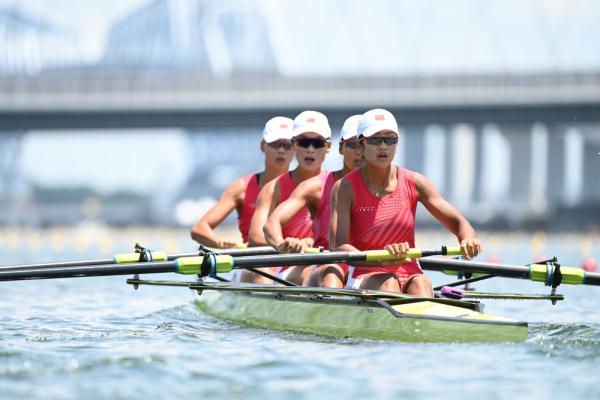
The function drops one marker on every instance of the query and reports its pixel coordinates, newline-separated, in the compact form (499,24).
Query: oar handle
(385,255)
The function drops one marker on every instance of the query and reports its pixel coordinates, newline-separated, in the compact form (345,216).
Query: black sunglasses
(377,140)
(317,143)
(280,143)
(351,144)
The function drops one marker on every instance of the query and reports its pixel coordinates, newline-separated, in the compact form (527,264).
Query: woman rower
(315,194)
(374,207)
(242,193)
(311,141)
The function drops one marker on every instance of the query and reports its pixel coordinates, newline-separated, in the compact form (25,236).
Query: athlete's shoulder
(417,177)
(270,186)
(311,185)
(344,187)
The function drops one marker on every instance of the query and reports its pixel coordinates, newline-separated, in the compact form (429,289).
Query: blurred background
(124,119)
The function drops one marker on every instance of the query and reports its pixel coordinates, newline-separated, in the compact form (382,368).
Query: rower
(311,140)
(315,194)
(373,207)
(242,193)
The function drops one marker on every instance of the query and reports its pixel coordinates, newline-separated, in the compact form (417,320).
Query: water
(97,338)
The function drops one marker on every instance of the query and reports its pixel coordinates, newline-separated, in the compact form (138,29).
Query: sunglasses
(377,140)
(280,143)
(317,143)
(351,144)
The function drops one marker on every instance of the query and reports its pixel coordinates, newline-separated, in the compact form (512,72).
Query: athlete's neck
(269,174)
(346,170)
(377,176)
(301,174)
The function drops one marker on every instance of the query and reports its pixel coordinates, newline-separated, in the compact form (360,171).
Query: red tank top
(250,196)
(323,214)
(301,225)
(376,222)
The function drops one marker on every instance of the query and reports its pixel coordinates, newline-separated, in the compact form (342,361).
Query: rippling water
(97,338)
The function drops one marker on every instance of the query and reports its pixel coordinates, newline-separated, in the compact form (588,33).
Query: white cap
(377,120)
(350,127)
(312,121)
(278,128)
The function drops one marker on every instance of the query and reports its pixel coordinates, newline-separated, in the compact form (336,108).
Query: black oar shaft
(510,271)
(66,264)
(262,250)
(592,278)
(98,270)
(298,259)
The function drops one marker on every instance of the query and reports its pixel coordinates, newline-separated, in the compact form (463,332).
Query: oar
(144,255)
(212,264)
(548,273)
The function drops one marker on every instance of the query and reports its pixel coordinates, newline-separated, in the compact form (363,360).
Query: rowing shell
(357,314)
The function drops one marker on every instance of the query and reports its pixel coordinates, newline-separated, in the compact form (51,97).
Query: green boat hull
(407,320)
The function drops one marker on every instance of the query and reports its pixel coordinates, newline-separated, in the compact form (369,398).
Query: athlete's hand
(291,245)
(398,249)
(470,248)
(226,243)
(294,245)
(307,243)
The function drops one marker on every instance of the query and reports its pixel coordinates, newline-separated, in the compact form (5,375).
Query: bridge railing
(106,81)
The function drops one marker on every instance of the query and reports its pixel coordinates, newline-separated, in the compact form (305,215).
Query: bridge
(117,99)
(508,129)
(518,145)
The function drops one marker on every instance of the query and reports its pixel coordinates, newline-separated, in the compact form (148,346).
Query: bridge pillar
(591,164)
(11,193)
(460,164)
(435,156)
(556,164)
(538,179)
(478,164)
(414,146)
(494,177)
(519,139)
(573,147)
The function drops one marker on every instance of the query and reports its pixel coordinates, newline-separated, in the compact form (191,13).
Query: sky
(90,19)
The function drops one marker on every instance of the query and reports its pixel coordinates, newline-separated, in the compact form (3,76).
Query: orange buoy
(494,259)
(589,264)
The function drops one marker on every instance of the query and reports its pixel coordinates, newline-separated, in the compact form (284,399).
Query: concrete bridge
(85,99)
(517,146)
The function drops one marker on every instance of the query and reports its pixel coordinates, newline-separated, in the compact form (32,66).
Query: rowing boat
(362,314)
(452,316)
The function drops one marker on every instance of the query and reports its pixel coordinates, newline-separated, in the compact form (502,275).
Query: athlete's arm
(342,199)
(203,231)
(448,215)
(268,196)
(306,194)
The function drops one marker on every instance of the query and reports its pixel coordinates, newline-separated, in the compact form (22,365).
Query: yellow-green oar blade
(547,273)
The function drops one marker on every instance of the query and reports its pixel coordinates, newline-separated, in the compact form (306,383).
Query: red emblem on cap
(283,126)
(379,117)
(310,120)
